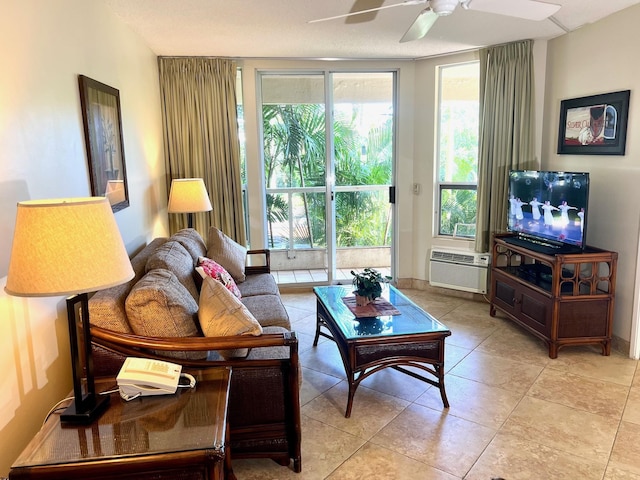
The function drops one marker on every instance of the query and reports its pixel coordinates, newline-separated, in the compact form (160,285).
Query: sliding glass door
(327,214)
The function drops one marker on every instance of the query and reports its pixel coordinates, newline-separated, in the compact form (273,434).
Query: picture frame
(594,125)
(102,121)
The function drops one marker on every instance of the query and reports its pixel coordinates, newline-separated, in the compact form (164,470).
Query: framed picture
(103,138)
(595,125)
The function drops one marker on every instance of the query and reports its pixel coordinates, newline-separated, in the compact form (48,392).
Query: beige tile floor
(514,412)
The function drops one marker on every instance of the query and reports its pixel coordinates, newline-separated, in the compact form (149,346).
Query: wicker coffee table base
(366,355)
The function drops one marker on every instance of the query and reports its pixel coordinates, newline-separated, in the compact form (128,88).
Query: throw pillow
(222,314)
(207,267)
(160,306)
(231,255)
(174,257)
(192,242)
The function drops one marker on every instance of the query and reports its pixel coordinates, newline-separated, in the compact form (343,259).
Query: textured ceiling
(280,28)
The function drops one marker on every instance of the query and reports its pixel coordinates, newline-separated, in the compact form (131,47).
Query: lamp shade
(66,246)
(188,195)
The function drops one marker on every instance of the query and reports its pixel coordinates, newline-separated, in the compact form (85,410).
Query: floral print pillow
(208,268)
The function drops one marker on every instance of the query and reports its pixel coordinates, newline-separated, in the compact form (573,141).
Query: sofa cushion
(160,306)
(231,255)
(222,314)
(268,310)
(107,310)
(268,353)
(192,241)
(174,257)
(208,268)
(107,307)
(259,284)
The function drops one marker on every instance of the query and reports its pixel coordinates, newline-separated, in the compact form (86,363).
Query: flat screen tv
(549,209)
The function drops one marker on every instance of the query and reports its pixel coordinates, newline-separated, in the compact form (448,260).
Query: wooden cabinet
(180,436)
(565,299)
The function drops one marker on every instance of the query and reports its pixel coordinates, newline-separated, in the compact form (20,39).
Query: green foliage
(458,207)
(368,283)
(294,156)
(458,165)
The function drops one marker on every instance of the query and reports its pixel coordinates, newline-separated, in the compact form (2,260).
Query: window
(457,141)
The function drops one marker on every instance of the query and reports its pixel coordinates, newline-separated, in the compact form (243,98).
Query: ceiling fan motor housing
(443,7)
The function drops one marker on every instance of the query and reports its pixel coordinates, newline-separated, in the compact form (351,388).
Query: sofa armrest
(181,344)
(263,265)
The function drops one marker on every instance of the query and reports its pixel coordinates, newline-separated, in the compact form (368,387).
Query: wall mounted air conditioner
(459,270)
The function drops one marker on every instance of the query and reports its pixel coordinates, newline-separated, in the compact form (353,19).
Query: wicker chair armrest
(173,344)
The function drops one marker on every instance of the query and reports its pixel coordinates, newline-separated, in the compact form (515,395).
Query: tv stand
(541,246)
(564,299)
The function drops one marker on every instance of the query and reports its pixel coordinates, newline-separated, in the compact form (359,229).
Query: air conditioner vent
(467,271)
(452,257)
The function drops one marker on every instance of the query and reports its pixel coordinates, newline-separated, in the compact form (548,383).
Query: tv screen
(549,206)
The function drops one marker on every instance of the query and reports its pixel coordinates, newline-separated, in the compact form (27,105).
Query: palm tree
(294,152)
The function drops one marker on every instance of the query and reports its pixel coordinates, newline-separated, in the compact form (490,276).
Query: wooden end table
(367,345)
(180,436)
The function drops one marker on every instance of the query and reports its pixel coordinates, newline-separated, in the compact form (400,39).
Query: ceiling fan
(527,9)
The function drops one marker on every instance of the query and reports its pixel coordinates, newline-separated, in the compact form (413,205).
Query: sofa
(159,314)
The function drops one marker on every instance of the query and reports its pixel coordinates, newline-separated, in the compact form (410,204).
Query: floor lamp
(188,195)
(69,247)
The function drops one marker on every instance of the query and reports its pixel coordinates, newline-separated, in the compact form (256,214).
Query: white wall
(601,58)
(44,45)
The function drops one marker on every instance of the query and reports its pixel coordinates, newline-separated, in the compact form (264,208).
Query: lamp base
(87,413)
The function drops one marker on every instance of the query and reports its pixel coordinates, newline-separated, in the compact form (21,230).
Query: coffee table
(367,345)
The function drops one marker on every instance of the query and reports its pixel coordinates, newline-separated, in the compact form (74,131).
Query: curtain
(506,140)
(198,99)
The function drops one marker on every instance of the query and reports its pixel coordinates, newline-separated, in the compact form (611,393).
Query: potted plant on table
(368,284)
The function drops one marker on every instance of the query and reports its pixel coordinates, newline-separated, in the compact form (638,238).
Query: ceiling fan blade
(359,6)
(421,25)
(527,9)
(403,4)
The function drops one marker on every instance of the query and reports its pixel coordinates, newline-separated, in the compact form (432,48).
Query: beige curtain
(201,137)
(506,131)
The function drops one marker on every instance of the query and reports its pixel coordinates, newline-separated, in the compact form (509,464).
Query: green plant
(368,283)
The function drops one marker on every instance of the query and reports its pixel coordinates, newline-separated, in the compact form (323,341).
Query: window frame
(440,186)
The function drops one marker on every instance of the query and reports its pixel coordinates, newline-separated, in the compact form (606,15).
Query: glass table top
(412,319)
(189,420)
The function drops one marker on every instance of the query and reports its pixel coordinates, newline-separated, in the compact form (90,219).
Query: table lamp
(188,195)
(69,247)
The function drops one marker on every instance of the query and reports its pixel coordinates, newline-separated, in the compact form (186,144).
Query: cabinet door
(503,293)
(534,310)
(528,306)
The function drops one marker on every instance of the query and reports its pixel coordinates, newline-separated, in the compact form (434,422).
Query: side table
(180,436)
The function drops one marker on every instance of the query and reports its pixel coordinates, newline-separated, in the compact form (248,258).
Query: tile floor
(515,413)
